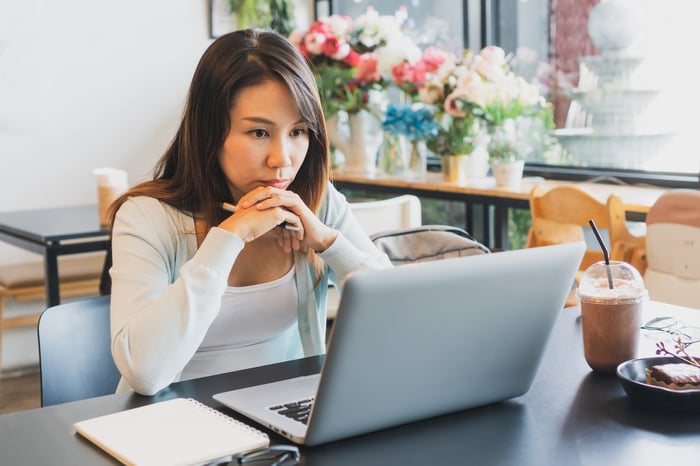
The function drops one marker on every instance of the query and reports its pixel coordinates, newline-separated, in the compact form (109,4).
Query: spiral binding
(223,416)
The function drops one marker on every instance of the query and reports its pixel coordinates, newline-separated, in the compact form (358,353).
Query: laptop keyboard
(297,410)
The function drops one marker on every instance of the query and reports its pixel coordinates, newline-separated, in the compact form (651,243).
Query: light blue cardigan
(166,291)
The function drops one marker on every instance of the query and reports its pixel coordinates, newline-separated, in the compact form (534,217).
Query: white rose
(529,94)
(396,52)
(340,26)
(484,95)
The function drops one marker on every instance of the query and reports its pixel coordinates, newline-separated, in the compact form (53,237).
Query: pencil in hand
(228,207)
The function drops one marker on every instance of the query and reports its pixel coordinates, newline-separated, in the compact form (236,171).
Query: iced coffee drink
(611,298)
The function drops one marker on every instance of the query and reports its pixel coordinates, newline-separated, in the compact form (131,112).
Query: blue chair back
(74,352)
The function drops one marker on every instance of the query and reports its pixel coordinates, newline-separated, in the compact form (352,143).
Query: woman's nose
(280,154)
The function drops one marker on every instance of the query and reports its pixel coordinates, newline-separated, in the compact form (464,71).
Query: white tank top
(256,325)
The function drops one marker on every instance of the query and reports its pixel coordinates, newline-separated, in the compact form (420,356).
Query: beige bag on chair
(427,243)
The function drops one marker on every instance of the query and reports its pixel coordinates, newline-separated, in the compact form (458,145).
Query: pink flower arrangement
(327,39)
(469,94)
(411,77)
(353,57)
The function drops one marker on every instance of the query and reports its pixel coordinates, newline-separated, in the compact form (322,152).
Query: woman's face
(267,142)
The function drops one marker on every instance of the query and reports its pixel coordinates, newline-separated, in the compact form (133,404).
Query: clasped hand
(263,209)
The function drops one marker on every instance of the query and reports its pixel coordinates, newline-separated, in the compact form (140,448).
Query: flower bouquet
(406,127)
(477,93)
(352,60)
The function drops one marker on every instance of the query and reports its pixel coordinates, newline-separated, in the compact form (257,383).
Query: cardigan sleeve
(159,315)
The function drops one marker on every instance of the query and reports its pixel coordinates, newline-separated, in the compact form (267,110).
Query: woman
(198,290)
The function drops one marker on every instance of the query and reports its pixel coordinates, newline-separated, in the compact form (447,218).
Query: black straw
(605,252)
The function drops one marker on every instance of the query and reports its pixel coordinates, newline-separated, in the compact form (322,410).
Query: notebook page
(181,431)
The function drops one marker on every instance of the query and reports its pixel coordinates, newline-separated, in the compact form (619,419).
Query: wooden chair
(559,215)
(75,356)
(673,248)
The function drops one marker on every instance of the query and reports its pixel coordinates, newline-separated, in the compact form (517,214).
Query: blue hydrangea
(415,123)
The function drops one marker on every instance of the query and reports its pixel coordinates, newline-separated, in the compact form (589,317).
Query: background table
(482,192)
(54,232)
(571,416)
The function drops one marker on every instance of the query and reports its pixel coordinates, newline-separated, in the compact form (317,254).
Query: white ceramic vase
(358,137)
(508,174)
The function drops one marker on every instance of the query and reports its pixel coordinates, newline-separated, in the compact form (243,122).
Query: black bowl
(632,376)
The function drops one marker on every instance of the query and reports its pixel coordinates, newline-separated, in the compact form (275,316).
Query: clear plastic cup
(610,317)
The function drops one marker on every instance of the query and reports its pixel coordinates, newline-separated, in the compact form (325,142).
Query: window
(426,18)
(640,129)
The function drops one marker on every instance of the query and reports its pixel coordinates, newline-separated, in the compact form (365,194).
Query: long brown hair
(188,175)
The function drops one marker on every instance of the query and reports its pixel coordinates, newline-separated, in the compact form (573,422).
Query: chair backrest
(673,248)
(388,214)
(561,215)
(427,243)
(75,355)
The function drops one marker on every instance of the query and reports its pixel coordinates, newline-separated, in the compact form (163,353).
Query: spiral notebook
(181,431)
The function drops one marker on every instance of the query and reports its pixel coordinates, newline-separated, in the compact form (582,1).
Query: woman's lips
(279,184)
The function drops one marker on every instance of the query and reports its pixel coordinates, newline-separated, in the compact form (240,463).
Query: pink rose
(432,58)
(353,58)
(406,73)
(420,72)
(320,27)
(402,73)
(367,69)
(454,104)
(331,46)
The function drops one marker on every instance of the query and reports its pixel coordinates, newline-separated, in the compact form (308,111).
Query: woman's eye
(259,133)
(298,132)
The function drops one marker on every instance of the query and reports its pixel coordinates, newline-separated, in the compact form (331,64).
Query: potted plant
(507,149)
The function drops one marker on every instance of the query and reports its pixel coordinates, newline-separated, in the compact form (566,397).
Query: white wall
(85,84)
(90,83)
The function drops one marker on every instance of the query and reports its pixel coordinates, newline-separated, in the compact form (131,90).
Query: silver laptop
(422,340)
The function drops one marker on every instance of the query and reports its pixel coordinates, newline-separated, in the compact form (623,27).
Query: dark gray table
(569,417)
(54,232)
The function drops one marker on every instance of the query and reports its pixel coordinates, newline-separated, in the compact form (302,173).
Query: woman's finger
(261,195)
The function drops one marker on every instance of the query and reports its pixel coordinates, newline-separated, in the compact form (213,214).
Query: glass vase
(417,159)
(393,159)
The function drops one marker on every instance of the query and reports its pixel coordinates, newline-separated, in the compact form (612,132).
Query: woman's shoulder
(153,210)
(147,205)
